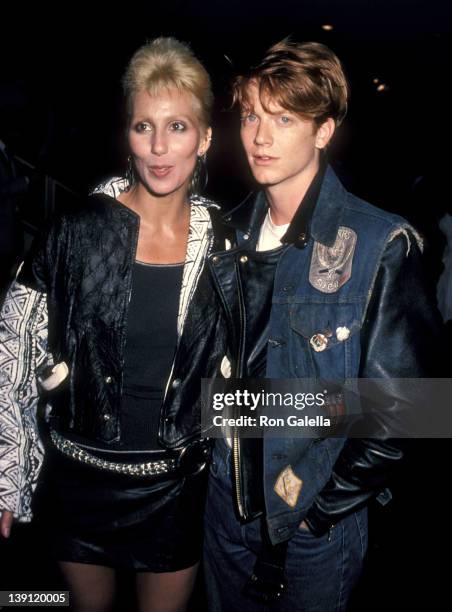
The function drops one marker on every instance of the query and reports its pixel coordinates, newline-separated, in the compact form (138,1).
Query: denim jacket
(357,269)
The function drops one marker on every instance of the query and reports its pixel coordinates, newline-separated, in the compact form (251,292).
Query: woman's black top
(148,356)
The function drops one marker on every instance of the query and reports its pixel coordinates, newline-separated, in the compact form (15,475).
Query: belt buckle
(197,454)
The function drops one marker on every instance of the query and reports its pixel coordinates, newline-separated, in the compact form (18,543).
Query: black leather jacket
(392,328)
(84,265)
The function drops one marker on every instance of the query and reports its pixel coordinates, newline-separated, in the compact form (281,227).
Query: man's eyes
(285,120)
(248,118)
(252,118)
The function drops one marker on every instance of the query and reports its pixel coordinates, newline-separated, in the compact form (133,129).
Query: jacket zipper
(237,474)
(236,459)
(236,456)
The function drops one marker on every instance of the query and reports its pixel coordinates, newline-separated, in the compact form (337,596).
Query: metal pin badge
(319,342)
(342,333)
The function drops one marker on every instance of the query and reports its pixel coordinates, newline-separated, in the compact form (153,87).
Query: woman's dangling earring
(130,173)
(199,177)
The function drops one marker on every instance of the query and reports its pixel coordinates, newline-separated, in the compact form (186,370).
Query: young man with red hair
(327,286)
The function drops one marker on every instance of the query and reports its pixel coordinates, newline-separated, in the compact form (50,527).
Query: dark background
(60,96)
(61,111)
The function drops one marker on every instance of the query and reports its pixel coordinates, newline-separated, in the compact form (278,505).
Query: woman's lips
(160,171)
(263,160)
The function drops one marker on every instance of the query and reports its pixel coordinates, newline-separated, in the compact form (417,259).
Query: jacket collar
(328,213)
(200,238)
(320,218)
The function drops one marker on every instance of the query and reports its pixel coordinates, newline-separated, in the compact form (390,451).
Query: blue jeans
(320,572)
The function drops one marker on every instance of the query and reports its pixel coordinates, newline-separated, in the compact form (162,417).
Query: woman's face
(165,138)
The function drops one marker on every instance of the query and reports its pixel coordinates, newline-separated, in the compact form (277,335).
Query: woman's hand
(6,522)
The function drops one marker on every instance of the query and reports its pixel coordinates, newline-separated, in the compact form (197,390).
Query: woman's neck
(153,210)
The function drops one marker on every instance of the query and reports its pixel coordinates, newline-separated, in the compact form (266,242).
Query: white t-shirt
(270,234)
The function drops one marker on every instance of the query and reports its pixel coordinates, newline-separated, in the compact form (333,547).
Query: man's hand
(304,525)
(6,522)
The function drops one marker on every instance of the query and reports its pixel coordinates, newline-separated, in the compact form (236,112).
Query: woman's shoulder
(101,202)
(87,210)
(112,187)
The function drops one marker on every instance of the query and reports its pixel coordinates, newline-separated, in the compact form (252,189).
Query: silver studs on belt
(151,468)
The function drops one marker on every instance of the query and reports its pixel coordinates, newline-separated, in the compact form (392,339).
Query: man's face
(281,147)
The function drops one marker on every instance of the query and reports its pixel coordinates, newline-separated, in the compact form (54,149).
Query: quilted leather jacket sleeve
(398,337)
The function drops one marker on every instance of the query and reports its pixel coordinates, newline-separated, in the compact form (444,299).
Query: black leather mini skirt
(141,523)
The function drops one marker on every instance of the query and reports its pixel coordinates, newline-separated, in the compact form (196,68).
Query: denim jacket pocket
(325,339)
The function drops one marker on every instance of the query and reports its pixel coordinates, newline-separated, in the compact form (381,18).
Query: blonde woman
(111,321)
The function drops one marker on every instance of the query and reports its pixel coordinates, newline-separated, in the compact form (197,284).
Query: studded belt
(187,461)
(150,468)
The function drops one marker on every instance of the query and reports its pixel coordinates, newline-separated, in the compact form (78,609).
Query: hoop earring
(130,174)
(200,176)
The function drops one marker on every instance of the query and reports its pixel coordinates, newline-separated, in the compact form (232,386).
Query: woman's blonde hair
(166,63)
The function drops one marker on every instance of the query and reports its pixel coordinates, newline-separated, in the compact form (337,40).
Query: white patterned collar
(113,187)
(199,240)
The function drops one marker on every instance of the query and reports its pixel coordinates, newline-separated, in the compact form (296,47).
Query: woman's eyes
(174,126)
(177,126)
(142,127)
